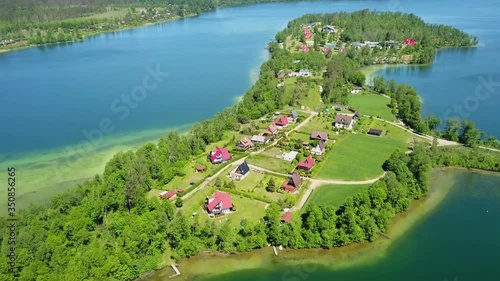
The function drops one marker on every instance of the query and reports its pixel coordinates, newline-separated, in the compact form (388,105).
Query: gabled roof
(168,194)
(321,145)
(222,152)
(219,199)
(294,114)
(243,168)
(282,121)
(343,119)
(319,135)
(308,163)
(259,139)
(272,128)
(287,217)
(295,179)
(246,142)
(376,132)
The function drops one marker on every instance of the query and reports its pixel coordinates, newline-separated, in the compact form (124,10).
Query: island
(311,157)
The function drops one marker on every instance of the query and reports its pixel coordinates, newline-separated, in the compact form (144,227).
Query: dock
(275,251)
(384,235)
(177,272)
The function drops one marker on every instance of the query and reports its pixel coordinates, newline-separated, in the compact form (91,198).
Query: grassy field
(271,163)
(372,104)
(251,182)
(335,195)
(318,123)
(358,157)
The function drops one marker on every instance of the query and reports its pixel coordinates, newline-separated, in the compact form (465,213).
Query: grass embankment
(335,195)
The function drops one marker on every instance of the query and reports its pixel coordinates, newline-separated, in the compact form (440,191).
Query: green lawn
(318,123)
(372,104)
(358,157)
(271,163)
(250,184)
(335,195)
(390,131)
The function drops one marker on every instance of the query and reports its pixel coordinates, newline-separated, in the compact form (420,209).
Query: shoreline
(353,255)
(85,37)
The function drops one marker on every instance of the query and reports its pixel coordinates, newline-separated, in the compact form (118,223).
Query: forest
(106,229)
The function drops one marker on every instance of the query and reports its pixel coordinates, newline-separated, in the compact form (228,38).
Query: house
(219,203)
(169,195)
(319,149)
(343,121)
(245,143)
(307,164)
(292,183)
(290,156)
(356,115)
(372,44)
(287,217)
(271,130)
(200,168)
(357,45)
(294,115)
(319,136)
(409,42)
(219,155)
(240,172)
(312,25)
(356,90)
(304,73)
(259,139)
(329,29)
(281,122)
(375,132)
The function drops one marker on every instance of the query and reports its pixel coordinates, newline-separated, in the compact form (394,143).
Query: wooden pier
(177,272)
(275,251)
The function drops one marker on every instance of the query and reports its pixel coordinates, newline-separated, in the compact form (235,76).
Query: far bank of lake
(434,240)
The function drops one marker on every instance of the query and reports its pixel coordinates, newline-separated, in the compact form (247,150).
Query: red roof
(169,194)
(409,41)
(283,121)
(287,186)
(287,217)
(180,190)
(219,198)
(222,152)
(200,167)
(309,163)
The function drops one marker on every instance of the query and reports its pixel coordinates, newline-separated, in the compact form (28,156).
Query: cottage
(271,130)
(409,42)
(357,45)
(290,156)
(312,25)
(329,29)
(294,115)
(219,203)
(287,217)
(307,164)
(356,115)
(240,172)
(169,195)
(356,90)
(372,44)
(292,183)
(343,121)
(282,122)
(316,135)
(200,168)
(375,132)
(319,149)
(259,139)
(245,143)
(219,155)
(304,73)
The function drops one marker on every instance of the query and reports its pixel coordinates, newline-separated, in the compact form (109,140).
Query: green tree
(271,185)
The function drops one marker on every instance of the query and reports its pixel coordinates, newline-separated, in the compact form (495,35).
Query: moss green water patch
(358,157)
(373,105)
(335,195)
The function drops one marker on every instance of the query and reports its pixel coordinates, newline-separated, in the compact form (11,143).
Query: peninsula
(311,157)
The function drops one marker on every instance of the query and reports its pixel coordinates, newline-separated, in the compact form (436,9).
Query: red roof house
(219,155)
(292,183)
(409,41)
(306,165)
(171,194)
(219,203)
(282,121)
(271,130)
(287,217)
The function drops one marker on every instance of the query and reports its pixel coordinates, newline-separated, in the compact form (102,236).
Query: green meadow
(335,195)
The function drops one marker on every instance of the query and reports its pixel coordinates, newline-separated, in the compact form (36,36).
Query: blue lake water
(67,108)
